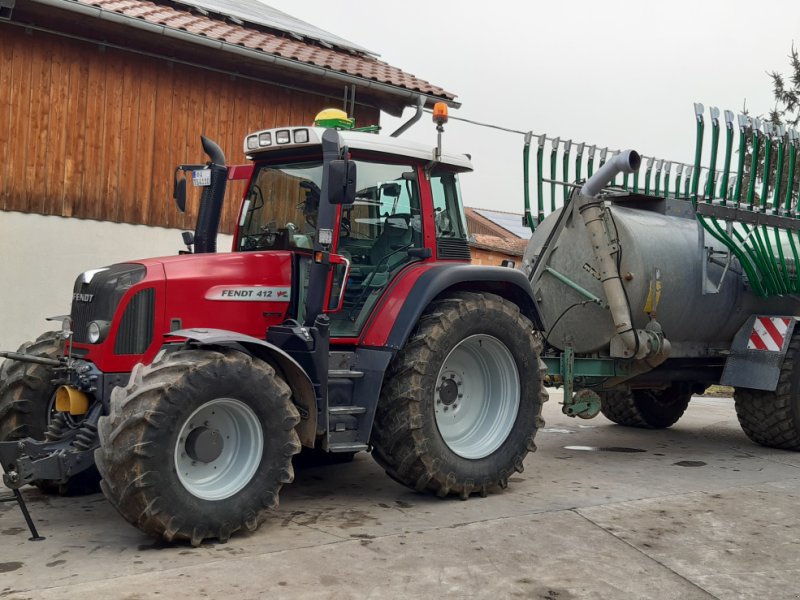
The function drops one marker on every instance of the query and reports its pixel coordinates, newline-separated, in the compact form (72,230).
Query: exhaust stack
(211,200)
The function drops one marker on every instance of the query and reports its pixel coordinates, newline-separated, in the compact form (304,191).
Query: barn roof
(242,28)
(498,223)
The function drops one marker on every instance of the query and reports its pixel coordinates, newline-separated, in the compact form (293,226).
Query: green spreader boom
(752,210)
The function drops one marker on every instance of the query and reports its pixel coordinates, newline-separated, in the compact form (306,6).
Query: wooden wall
(95,133)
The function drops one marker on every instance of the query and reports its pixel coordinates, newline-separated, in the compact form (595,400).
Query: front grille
(136,328)
(453,249)
(98,299)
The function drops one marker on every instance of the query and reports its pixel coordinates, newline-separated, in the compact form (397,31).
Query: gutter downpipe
(106,15)
(416,117)
(648,346)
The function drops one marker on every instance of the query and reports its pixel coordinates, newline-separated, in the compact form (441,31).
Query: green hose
(776,196)
(726,162)
(767,165)
(565,168)
(553,154)
(539,180)
(698,150)
(790,176)
(657,186)
(737,192)
(751,188)
(526,153)
(712,169)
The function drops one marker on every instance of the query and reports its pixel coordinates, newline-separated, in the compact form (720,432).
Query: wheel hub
(219,449)
(204,444)
(449,390)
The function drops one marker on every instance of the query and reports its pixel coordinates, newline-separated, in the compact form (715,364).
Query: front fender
(405,302)
(296,377)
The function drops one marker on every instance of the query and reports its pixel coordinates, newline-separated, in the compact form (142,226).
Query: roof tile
(262,40)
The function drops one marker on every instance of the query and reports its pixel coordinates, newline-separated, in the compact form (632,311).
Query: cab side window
(448,216)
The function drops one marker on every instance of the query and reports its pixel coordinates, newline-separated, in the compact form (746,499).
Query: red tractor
(346,318)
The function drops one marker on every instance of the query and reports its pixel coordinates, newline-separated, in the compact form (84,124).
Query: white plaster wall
(40,257)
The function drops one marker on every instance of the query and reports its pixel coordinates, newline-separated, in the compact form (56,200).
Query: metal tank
(671,273)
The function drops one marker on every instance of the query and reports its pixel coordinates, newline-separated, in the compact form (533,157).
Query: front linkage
(67,447)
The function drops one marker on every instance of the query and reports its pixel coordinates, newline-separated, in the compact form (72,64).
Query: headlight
(96,331)
(66,328)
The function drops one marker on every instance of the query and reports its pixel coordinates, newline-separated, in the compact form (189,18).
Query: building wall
(491,257)
(42,256)
(95,132)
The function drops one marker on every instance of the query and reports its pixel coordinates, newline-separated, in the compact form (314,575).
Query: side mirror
(342,182)
(179,192)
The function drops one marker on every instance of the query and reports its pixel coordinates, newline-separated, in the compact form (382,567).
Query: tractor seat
(396,234)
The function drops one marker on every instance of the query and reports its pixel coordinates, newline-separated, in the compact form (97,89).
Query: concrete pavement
(601,511)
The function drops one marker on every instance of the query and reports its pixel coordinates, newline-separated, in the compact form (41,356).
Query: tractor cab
(400,205)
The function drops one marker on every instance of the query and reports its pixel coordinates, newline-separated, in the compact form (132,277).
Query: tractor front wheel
(26,391)
(462,401)
(198,444)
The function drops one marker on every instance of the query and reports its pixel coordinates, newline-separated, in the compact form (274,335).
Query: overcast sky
(617,73)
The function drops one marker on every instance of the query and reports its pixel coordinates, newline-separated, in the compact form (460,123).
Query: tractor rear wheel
(773,418)
(198,444)
(648,409)
(462,401)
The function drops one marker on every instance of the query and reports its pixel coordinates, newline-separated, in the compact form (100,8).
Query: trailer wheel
(462,401)
(26,391)
(773,418)
(648,409)
(198,444)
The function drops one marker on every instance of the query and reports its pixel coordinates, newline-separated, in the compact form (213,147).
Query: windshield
(280,210)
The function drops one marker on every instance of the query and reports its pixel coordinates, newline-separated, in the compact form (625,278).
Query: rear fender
(758,351)
(407,300)
(297,379)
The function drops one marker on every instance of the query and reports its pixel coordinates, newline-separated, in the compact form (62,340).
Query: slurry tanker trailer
(648,290)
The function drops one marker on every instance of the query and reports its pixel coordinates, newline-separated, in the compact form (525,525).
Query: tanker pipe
(627,161)
(628,342)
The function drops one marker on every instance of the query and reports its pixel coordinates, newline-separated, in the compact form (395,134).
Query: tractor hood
(132,306)
(243,291)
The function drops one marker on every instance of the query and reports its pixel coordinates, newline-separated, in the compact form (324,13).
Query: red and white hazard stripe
(768,333)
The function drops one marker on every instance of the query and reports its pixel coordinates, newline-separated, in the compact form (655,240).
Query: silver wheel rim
(242,446)
(476,398)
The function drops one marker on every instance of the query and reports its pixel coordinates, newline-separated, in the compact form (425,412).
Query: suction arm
(629,342)
(627,161)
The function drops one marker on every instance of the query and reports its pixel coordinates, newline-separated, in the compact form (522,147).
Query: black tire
(138,441)
(647,409)
(26,390)
(406,439)
(772,419)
